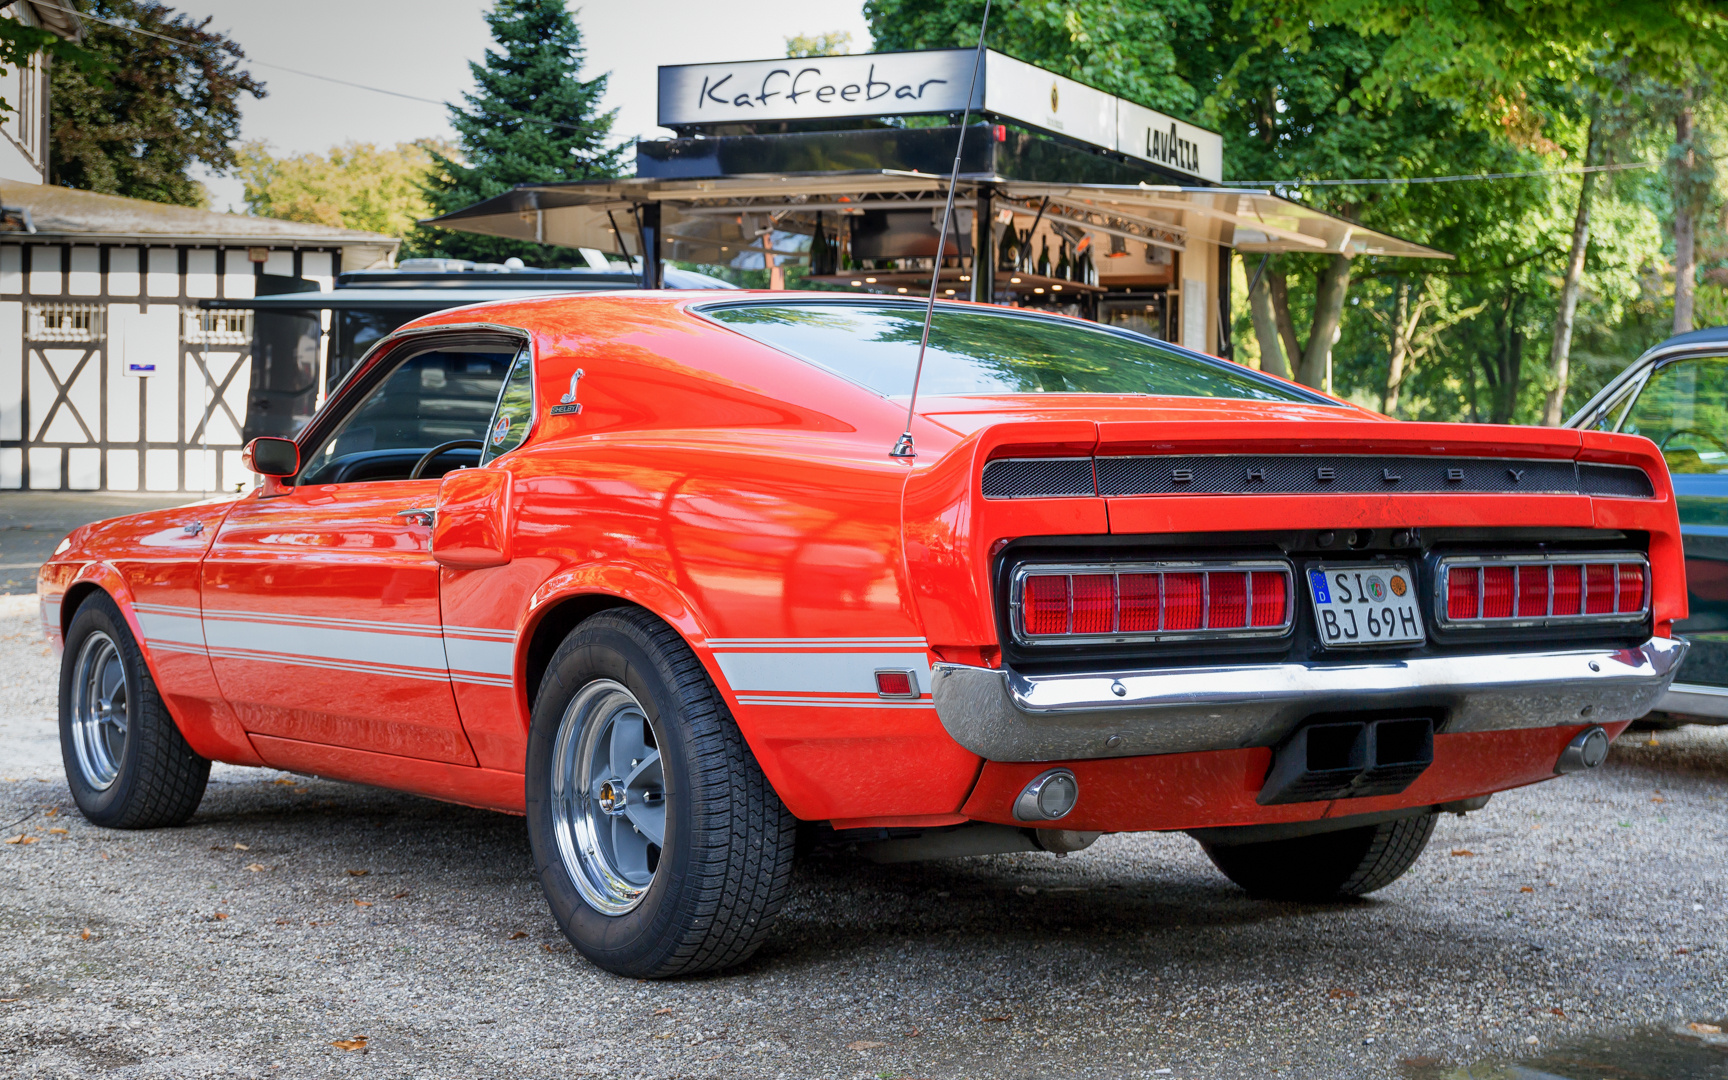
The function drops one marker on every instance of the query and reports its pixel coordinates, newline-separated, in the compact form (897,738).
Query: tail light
(1543,590)
(1151,601)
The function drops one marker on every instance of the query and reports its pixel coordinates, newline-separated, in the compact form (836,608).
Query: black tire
(725,866)
(159,780)
(1326,866)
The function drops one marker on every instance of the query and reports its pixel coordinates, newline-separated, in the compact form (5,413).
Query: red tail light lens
(1139,600)
(1271,597)
(1101,603)
(1184,601)
(1532,591)
(1550,589)
(1044,605)
(1569,589)
(1094,603)
(1461,592)
(1631,588)
(1598,588)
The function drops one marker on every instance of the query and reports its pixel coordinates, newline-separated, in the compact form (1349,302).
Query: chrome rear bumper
(1007,716)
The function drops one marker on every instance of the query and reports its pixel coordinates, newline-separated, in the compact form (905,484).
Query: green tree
(1123,46)
(161,107)
(19,42)
(531,120)
(356,186)
(835,43)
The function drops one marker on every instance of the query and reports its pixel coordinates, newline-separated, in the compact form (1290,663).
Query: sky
(422,48)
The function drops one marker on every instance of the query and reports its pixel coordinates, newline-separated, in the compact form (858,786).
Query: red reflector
(1001,132)
(894,684)
(1496,592)
(1094,603)
(1227,600)
(1461,592)
(1138,603)
(1270,598)
(1568,589)
(1044,604)
(1631,588)
(1183,601)
(1598,588)
(1532,591)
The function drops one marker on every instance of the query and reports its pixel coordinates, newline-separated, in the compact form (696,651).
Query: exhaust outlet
(1587,750)
(1349,759)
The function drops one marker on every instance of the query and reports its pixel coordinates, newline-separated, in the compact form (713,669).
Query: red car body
(747,498)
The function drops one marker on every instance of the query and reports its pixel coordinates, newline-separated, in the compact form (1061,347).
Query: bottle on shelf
(1044,259)
(1009,257)
(821,252)
(1064,268)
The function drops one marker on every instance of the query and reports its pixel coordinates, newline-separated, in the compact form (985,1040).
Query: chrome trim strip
(1694,699)
(1006,716)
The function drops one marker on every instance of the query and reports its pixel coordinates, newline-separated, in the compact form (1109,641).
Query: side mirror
(270,456)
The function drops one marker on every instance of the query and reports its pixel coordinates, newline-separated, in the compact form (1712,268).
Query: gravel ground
(1584,920)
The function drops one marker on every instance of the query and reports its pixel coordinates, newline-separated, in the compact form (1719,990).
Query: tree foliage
(355,186)
(139,125)
(530,120)
(19,42)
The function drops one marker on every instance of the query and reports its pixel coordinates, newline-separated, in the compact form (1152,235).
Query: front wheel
(1328,866)
(661,847)
(127,764)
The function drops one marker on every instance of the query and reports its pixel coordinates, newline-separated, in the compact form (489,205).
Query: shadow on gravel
(1692,751)
(1645,1054)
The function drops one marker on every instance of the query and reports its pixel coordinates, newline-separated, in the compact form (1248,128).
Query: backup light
(1151,601)
(1543,590)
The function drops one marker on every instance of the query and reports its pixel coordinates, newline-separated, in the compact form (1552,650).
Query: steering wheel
(431,455)
(1705,435)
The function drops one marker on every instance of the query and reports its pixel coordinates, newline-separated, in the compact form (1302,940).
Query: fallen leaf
(358,1042)
(1527,888)
(241,847)
(545,946)
(221,915)
(362,903)
(9,1001)
(1681,952)
(1557,1011)
(915,1034)
(399,896)
(20,839)
(657,1012)
(1705,1029)
(1338,992)
(358,873)
(518,935)
(865,1044)
(285,780)
(1466,852)
(1658,798)
(59,832)
(51,811)
(667,1035)
(84,935)
(256,867)
(998,1019)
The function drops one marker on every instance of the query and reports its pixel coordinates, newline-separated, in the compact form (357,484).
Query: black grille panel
(1304,474)
(1038,478)
(1616,481)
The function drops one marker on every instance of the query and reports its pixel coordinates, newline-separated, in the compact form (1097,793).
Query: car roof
(1710,335)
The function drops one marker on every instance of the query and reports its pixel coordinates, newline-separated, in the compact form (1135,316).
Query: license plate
(1365,604)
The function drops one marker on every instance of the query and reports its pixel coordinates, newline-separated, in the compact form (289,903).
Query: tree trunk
(1685,239)
(1560,353)
(1400,348)
(1279,288)
(1266,328)
(1329,293)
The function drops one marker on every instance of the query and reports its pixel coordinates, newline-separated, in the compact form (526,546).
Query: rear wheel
(661,847)
(1327,866)
(127,764)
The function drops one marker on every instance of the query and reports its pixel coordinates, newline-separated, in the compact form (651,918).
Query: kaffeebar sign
(935,81)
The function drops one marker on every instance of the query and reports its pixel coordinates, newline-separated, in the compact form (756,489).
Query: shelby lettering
(1167,147)
(807,83)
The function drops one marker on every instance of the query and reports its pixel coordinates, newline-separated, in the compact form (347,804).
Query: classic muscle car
(1676,395)
(659,571)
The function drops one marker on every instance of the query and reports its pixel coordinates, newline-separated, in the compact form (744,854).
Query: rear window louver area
(1287,474)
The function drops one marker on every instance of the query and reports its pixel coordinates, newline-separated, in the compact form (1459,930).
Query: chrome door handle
(422,515)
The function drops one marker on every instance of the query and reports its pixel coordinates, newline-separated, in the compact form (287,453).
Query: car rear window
(875,343)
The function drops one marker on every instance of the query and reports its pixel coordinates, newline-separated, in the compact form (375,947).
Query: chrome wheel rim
(101,710)
(608,797)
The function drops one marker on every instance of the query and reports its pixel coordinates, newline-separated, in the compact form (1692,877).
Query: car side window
(515,412)
(1683,409)
(435,397)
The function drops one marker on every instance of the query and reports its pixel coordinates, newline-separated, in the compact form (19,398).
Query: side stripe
(817,672)
(806,702)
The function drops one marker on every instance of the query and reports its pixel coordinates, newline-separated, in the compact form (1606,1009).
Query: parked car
(648,569)
(1676,395)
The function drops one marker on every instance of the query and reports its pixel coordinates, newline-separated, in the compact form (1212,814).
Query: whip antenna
(903,447)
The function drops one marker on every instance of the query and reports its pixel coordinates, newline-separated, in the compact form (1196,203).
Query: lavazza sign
(886,84)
